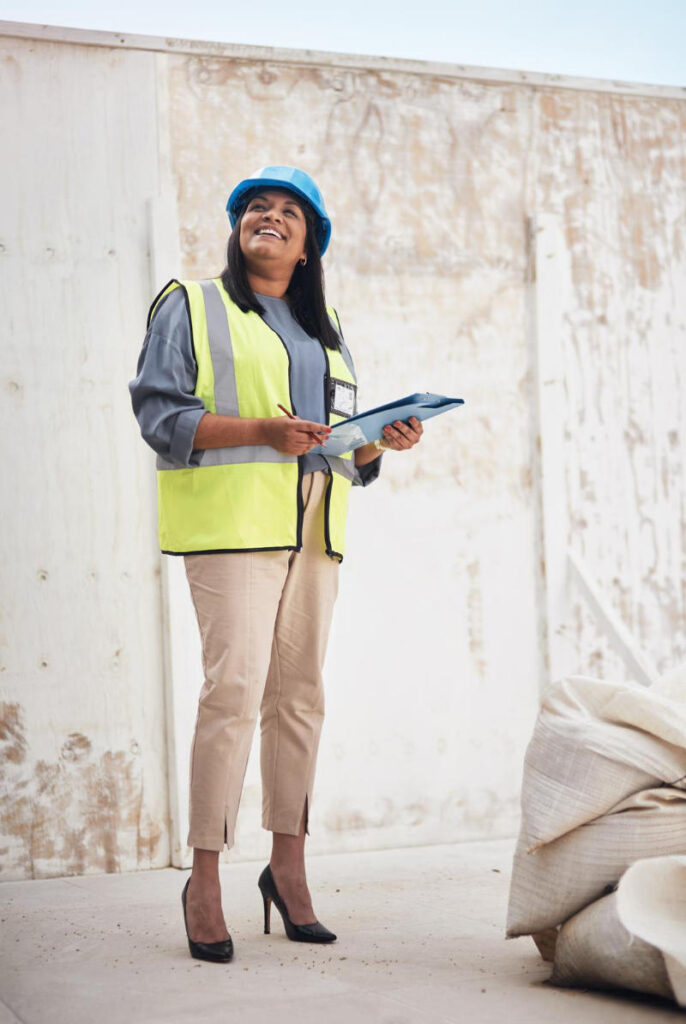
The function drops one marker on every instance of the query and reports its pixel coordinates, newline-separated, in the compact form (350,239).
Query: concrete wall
(83,723)
(505,238)
(611,171)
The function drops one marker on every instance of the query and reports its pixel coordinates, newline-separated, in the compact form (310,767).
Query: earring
(303,261)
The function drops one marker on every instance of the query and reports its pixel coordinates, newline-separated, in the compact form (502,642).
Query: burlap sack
(594,745)
(651,902)
(634,938)
(561,878)
(595,950)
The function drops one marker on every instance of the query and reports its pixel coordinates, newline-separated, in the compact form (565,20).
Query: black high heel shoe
(314,932)
(218,952)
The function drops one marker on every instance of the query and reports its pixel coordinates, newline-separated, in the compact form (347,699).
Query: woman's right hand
(293,436)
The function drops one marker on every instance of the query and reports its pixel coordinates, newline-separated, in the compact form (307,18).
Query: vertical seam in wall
(530,205)
(175,828)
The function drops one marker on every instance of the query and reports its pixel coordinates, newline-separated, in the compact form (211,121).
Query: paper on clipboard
(368,426)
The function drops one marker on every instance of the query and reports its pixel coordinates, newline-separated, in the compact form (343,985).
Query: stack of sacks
(604,787)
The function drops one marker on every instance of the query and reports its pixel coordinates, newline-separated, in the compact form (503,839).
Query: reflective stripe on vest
(247,497)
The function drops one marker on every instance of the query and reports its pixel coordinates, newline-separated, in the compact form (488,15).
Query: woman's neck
(275,287)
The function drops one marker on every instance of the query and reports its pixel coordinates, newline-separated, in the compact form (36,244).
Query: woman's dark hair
(306,288)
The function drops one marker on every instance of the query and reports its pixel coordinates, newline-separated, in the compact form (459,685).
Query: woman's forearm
(214,431)
(366,453)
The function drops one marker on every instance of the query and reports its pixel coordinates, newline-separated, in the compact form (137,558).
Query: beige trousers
(264,620)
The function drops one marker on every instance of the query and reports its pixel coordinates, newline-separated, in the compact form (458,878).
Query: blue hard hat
(293,180)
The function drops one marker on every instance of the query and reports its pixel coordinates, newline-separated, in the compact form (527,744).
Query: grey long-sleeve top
(163,392)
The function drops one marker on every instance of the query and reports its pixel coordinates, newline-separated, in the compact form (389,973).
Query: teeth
(268,231)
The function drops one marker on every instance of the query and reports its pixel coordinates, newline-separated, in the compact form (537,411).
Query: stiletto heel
(267,914)
(314,932)
(217,952)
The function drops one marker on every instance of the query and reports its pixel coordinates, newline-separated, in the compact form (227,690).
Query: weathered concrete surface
(420,940)
(81,701)
(613,171)
(437,186)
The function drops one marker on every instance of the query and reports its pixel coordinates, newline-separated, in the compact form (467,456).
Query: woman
(260,519)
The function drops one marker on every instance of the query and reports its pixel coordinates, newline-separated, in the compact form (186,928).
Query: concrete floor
(420,940)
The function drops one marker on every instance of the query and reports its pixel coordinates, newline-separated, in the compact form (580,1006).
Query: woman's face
(273,231)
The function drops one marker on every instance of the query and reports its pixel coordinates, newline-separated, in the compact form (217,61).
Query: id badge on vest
(342,397)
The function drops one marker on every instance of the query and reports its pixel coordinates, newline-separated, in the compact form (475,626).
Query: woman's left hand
(399,436)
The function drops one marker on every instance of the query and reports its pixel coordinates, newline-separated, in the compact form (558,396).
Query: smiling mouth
(271,232)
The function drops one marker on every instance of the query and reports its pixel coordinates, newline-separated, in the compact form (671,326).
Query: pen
(292,417)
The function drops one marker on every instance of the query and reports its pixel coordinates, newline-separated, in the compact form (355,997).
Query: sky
(628,40)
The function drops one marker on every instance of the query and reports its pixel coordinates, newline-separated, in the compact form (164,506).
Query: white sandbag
(562,877)
(595,950)
(651,903)
(595,744)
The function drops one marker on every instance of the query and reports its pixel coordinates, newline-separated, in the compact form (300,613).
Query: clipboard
(368,426)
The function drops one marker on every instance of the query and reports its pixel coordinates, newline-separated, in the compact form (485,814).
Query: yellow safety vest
(246,498)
